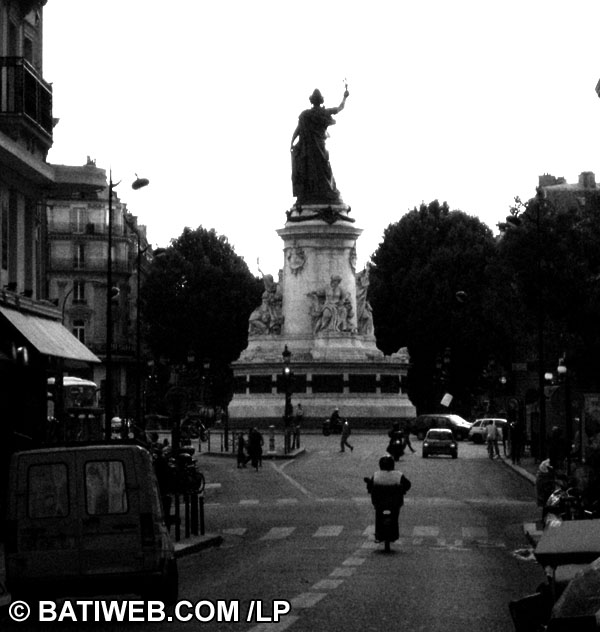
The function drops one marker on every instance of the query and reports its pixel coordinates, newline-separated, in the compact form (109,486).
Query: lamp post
(515,220)
(287,385)
(108,400)
(563,375)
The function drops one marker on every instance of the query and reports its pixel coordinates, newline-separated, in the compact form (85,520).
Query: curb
(195,544)
(265,455)
(520,470)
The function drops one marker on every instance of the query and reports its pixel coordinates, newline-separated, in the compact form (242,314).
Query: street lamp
(108,409)
(563,375)
(514,219)
(287,385)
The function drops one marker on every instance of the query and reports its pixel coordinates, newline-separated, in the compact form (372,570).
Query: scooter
(386,520)
(396,447)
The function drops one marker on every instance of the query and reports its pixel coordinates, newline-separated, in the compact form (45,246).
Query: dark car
(332,426)
(440,441)
(459,426)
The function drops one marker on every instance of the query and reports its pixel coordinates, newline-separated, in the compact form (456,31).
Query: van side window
(47,490)
(105,489)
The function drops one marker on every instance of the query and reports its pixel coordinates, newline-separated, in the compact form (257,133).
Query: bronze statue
(312,177)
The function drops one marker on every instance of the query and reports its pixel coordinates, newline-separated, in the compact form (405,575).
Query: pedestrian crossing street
(458,538)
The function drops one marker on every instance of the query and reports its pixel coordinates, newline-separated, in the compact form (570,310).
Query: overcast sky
(462,101)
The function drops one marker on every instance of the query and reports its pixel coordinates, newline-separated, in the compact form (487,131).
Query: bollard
(186,500)
(201,499)
(177,519)
(194,513)
(271,438)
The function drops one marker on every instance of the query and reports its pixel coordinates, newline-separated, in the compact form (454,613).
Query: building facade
(34,345)
(77,220)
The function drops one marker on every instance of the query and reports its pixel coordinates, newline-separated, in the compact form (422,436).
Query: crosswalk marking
(328,531)
(462,539)
(474,533)
(277,533)
(426,532)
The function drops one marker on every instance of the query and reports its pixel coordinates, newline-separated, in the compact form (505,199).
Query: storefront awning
(49,337)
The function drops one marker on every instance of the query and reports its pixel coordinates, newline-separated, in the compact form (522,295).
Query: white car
(478,430)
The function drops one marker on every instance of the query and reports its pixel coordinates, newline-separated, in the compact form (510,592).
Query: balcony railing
(23,93)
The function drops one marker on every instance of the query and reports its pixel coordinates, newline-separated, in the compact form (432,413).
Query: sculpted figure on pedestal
(331,308)
(312,177)
(267,318)
(364,311)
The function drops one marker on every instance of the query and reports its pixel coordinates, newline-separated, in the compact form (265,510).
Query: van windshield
(105,488)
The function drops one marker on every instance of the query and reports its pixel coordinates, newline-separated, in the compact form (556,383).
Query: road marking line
(327,584)
(474,533)
(290,480)
(286,501)
(235,531)
(328,531)
(277,533)
(342,572)
(306,600)
(369,544)
(249,501)
(369,531)
(353,561)
(279,626)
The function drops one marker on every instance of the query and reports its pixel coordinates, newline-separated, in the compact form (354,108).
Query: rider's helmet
(386,463)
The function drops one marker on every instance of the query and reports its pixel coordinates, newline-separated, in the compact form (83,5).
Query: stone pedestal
(328,329)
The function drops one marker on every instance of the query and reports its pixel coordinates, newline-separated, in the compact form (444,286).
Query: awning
(49,337)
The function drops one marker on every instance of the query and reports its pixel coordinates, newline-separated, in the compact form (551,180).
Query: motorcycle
(396,446)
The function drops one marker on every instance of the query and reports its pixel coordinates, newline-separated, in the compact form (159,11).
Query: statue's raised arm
(312,177)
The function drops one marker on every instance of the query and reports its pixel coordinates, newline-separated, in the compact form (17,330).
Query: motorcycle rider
(396,444)
(387,488)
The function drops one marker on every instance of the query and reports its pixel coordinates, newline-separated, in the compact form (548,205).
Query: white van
(87,519)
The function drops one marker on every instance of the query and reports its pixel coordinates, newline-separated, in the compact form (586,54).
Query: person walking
(297,425)
(492,435)
(346,432)
(255,448)
(241,451)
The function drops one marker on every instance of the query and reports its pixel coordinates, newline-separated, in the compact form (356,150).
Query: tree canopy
(197,298)
(429,290)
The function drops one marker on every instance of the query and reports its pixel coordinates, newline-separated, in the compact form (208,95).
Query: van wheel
(166,588)
(169,589)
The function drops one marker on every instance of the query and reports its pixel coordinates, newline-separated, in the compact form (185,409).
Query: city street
(302,531)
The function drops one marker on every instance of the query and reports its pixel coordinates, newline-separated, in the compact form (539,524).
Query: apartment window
(79,330)
(79,292)
(79,256)
(79,220)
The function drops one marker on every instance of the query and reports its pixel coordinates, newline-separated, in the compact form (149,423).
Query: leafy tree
(550,249)
(431,292)
(197,298)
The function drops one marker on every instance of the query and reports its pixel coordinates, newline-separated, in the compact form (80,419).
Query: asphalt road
(299,534)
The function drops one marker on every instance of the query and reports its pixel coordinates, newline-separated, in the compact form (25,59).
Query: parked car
(479,428)
(440,441)
(87,520)
(459,426)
